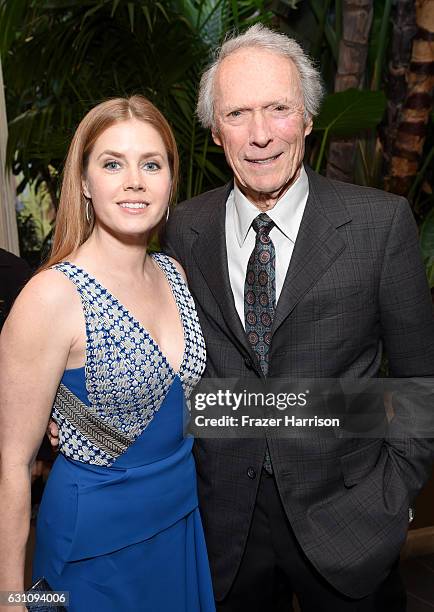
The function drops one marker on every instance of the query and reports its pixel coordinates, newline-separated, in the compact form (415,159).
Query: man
(296,276)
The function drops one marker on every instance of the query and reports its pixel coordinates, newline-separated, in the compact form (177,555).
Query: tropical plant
(350,73)
(60,57)
(416,110)
(63,56)
(346,114)
(403,18)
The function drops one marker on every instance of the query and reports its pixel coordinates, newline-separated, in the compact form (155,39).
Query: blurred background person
(14,273)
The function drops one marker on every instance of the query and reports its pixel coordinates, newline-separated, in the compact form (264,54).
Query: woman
(108,336)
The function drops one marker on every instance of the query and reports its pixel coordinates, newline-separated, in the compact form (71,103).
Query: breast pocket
(326,302)
(343,300)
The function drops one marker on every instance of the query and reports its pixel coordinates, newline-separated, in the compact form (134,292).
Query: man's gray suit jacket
(355,283)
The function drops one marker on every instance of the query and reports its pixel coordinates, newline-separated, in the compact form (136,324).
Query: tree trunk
(411,132)
(353,52)
(403,19)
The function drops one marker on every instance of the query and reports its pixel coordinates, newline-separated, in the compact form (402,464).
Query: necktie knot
(262,224)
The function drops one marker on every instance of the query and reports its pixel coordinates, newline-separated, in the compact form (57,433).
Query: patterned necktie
(260,298)
(260,290)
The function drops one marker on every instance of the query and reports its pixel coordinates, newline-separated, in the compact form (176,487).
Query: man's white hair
(259,36)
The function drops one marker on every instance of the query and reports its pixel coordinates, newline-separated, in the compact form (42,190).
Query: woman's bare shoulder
(46,294)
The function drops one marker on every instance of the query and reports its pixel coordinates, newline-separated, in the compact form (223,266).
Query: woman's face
(128,178)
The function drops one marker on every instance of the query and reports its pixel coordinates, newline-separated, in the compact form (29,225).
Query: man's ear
(216,136)
(308,125)
(85,188)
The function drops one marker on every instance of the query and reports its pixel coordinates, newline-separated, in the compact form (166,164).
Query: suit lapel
(317,246)
(210,253)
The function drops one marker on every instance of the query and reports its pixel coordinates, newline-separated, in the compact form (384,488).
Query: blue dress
(119,525)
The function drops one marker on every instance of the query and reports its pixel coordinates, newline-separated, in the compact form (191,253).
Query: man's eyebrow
(230,109)
(282,101)
(111,153)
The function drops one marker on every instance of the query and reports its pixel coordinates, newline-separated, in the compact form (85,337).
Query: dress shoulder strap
(88,288)
(166,264)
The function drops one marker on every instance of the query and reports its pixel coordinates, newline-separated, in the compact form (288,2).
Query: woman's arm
(34,347)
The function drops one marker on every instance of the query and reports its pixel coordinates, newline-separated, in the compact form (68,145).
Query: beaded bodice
(127,377)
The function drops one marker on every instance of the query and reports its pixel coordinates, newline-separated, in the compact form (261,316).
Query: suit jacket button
(251,473)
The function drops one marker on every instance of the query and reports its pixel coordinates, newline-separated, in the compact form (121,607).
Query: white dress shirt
(240,235)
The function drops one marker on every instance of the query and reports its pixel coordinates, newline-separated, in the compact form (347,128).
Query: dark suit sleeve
(406,307)
(408,331)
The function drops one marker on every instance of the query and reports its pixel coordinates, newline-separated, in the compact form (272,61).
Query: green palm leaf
(61,57)
(348,113)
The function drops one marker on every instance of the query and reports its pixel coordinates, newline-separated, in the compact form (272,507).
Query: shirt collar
(286,214)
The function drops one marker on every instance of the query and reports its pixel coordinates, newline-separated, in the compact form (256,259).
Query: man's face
(259,122)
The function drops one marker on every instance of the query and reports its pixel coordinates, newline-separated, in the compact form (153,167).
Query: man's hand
(53,434)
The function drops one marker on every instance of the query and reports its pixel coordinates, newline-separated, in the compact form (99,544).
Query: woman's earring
(88,212)
(167,213)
